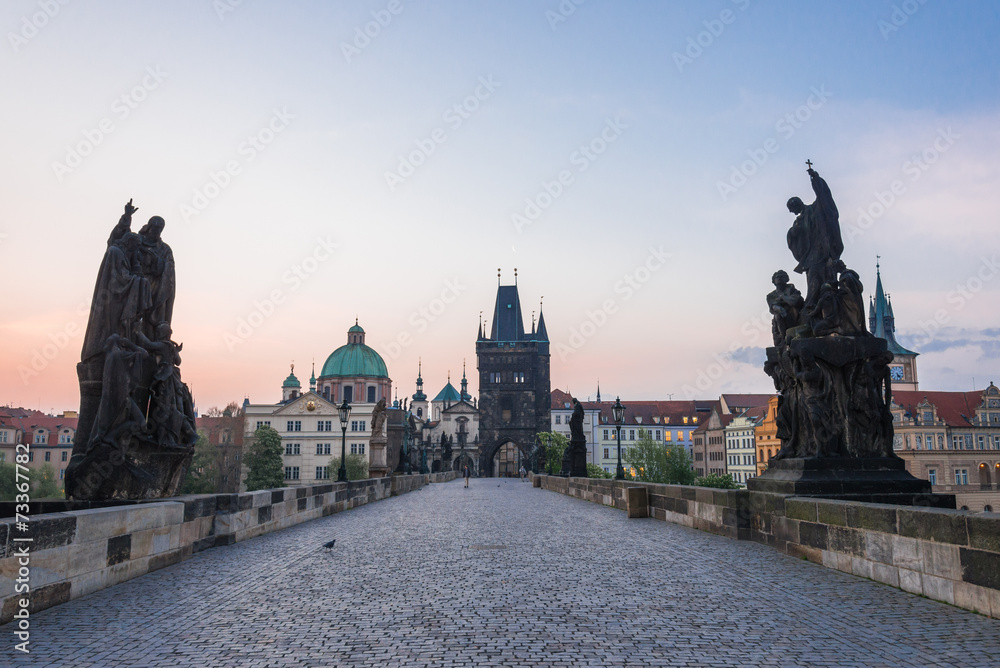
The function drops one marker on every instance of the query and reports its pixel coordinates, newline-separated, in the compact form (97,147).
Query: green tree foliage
(265,468)
(555,445)
(717,481)
(649,461)
(595,471)
(8,482)
(357,467)
(45,483)
(202,474)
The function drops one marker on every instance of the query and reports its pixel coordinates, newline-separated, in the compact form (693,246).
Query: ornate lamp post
(619,412)
(345,412)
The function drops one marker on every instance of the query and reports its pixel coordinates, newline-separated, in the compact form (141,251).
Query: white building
(741,444)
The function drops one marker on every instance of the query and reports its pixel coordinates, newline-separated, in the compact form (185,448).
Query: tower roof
(508,325)
(448,394)
(291,381)
(881,319)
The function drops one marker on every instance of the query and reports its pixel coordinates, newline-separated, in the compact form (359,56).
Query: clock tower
(903,368)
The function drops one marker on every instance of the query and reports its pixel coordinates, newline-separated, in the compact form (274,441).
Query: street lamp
(345,412)
(619,412)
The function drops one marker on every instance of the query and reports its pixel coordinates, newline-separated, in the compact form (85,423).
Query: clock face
(896,372)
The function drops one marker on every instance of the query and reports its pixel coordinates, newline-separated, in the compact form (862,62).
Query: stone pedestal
(378,466)
(574,464)
(872,480)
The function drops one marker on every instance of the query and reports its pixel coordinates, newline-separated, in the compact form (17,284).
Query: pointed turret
(598,391)
(465,385)
(312,378)
(419,394)
(542,334)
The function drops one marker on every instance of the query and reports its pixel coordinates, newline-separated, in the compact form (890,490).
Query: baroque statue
(136,431)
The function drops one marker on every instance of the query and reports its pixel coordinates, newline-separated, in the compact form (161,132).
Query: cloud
(746,355)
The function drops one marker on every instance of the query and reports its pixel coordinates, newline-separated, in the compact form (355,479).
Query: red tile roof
(956,408)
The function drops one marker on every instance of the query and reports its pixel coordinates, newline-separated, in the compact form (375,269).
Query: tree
(555,445)
(265,468)
(650,461)
(202,474)
(8,482)
(44,483)
(595,471)
(357,467)
(717,481)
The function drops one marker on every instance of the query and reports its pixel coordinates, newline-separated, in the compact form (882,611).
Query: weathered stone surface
(980,567)
(871,516)
(942,526)
(984,532)
(119,549)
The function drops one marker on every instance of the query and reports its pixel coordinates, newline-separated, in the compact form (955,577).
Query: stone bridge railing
(948,555)
(77,552)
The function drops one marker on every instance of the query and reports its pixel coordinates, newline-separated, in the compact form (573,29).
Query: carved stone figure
(136,431)
(785,303)
(832,376)
(576,422)
(814,237)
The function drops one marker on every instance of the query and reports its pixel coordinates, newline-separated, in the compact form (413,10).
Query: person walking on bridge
(465,474)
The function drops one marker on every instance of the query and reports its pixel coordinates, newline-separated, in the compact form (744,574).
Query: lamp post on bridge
(344,410)
(619,412)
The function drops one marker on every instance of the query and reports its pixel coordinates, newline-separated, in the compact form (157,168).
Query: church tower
(419,403)
(882,323)
(514,385)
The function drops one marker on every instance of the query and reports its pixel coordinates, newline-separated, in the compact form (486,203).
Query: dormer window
(656,419)
(638,419)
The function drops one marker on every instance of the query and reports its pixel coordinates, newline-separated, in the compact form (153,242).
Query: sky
(318,162)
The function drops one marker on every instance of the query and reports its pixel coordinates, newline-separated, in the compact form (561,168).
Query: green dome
(356,329)
(354,359)
(291,381)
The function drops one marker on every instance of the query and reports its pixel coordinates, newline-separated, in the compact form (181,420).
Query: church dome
(292,381)
(355,358)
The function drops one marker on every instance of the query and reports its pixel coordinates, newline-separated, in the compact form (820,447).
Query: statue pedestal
(378,466)
(574,463)
(873,480)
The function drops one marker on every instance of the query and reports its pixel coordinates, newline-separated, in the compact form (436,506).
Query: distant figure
(465,473)
(524,473)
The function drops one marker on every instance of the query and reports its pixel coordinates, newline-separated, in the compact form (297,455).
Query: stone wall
(76,552)
(948,555)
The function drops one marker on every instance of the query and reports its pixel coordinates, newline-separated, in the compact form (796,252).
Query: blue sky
(653,255)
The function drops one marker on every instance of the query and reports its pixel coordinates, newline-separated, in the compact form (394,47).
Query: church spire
(419,394)
(465,385)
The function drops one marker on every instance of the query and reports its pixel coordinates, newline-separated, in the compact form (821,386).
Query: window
(354,448)
(3,436)
(666,436)
(606,437)
(66,438)
(606,452)
(64,453)
(371,394)
(631,434)
(996,442)
(559,419)
(31,456)
(41,437)
(322,448)
(348,392)
(961,476)
(361,448)
(928,417)
(324,425)
(48,456)
(293,448)
(322,472)
(957,442)
(263,423)
(657,437)
(291,473)
(294,425)
(982,442)
(62,474)
(680,435)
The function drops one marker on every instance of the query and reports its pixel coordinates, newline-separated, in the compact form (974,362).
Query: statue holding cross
(814,237)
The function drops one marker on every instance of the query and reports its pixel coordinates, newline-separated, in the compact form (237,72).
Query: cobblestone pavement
(503,574)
